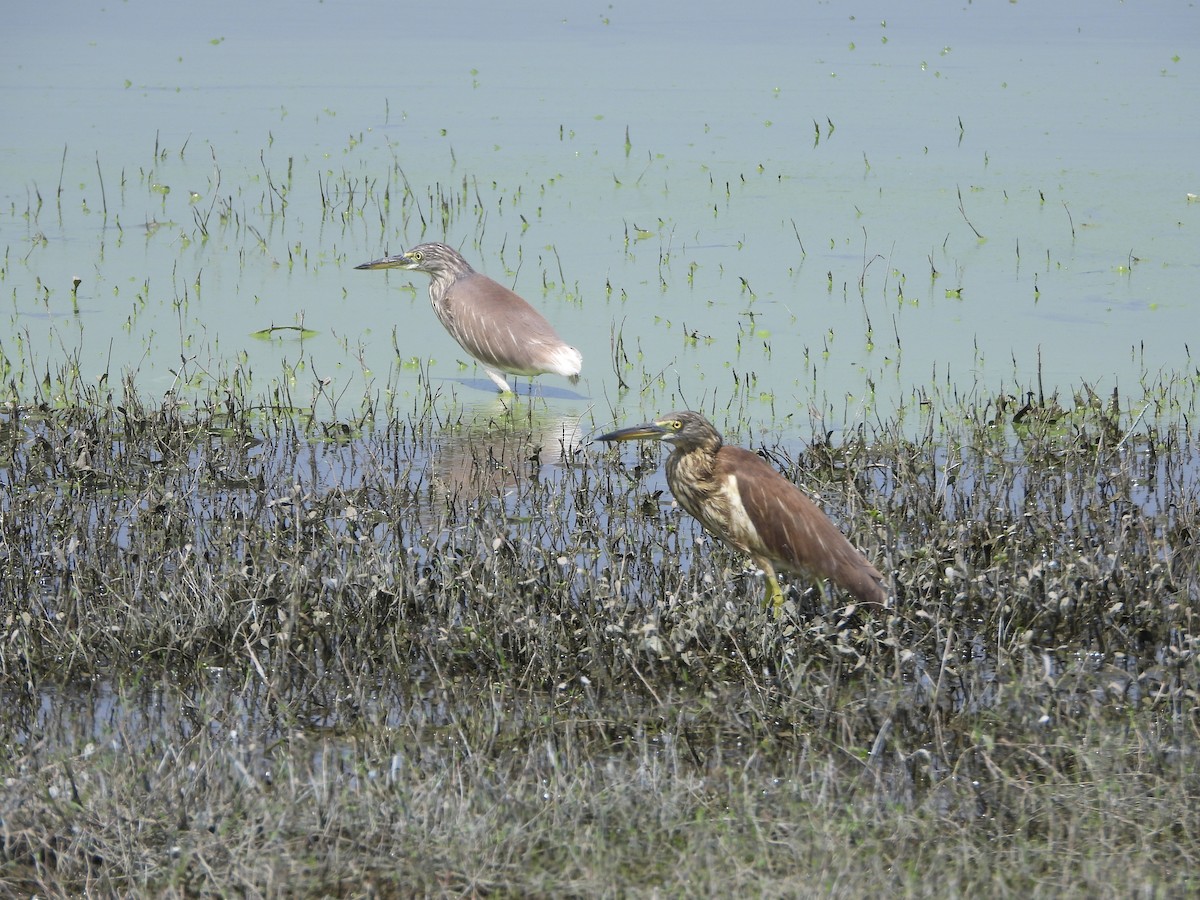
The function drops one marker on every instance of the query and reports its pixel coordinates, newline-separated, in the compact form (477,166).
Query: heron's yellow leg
(774,593)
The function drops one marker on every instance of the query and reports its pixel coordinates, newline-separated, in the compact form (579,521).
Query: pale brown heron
(739,498)
(498,328)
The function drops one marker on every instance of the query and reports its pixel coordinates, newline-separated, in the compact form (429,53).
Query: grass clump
(255,654)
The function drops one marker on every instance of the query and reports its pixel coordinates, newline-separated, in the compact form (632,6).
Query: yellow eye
(676,424)
(416,256)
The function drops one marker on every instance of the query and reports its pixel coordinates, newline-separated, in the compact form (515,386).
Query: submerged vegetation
(252,653)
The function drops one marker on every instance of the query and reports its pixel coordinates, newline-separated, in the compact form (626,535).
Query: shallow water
(766,238)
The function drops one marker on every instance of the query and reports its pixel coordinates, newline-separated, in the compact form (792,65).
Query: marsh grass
(247,653)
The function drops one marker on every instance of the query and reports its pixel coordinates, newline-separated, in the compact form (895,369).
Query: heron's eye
(417,256)
(676,425)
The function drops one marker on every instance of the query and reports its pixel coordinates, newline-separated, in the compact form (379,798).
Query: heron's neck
(439,284)
(695,465)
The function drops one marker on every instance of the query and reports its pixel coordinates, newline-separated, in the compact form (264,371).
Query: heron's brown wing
(498,327)
(792,531)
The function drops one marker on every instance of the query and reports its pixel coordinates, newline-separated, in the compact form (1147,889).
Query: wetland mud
(243,651)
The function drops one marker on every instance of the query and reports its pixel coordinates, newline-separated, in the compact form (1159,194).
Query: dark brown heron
(490,322)
(739,498)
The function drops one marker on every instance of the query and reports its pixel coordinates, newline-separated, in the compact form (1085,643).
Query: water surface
(755,201)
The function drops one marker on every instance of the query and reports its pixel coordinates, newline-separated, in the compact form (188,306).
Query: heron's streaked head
(433,259)
(686,430)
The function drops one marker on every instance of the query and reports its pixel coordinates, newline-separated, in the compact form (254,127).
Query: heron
(742,500)
(495,326)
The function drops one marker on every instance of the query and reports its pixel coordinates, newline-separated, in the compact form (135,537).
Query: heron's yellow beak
(647,431)
(399,261)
